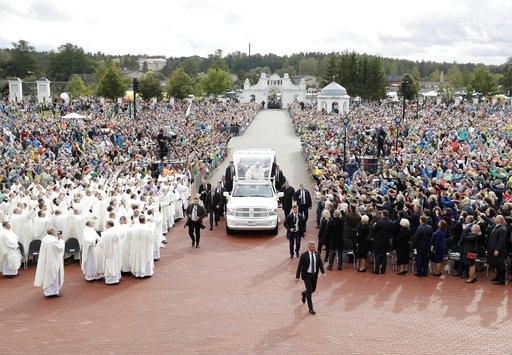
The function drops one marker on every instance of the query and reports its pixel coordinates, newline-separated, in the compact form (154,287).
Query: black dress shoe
(418,275)
(303,297)
(193,244)
(291,257)
(329,267)
(312,311)
(211,228)
(498,282)
(197,245)
(361,270)
(297,254)
(375,272)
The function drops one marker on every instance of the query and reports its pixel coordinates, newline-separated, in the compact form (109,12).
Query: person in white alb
(110,253)
(50,267)
(10,256)
(141,256)
(89,240)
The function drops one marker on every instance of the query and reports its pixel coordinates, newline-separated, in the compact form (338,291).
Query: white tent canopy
(73,115)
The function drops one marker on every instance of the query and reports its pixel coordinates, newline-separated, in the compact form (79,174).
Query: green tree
(77,87)
(150,87)
(483,81)
(70,59)
(217,82)
(111,85)
(329,71)
(376,80)
(144,67)
(454,76)
(416,73)
(435,75)
(308,66)
(21,62)
(179,84)
(414,87)
(506,80)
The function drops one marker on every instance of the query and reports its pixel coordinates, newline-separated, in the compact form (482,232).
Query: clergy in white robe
(127,244)
(89,240)
(41,225)
(141,254)
(10,256)
(109,256)
(99,210)
(22,226)
(155,222)
(50,267)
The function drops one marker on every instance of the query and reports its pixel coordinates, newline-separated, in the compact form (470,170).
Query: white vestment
(141,254)
(127,247)
(40,228)
(10,256)
(110,252)
(22,227)
(50,267)
(89,240)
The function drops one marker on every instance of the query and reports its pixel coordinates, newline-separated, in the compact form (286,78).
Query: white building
(154,64)
(333,96)
(274,89)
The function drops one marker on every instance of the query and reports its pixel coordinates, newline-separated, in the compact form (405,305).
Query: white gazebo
(274,85)
(331,96)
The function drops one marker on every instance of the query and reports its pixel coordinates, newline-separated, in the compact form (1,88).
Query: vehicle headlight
(272,211)
(231,211)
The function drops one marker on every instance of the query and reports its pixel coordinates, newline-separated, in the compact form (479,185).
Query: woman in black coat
(323,235)
(335,231)
(471,246)
(402,246)
(362,243)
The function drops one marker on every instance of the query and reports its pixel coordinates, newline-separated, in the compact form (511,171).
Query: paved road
(236,295)
(272,129)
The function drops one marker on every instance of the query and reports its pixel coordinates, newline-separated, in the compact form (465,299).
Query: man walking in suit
(195,215)
(382,234)
(309,264)
(294,225)
(421,242)
(303,198)
(279,178)
(287,199)
(230,176)
(497,247)
(212,204)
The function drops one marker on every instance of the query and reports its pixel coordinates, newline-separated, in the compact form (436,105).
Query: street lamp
(345,125)
(398,120)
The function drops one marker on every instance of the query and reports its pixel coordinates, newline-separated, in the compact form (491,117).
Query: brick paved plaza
(236,295)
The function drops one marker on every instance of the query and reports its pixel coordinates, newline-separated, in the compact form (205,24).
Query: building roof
(333,89)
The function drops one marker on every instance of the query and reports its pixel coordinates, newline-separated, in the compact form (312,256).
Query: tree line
(362,75)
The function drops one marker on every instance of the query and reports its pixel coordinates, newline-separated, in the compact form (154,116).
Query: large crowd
(444,163)
(77,176)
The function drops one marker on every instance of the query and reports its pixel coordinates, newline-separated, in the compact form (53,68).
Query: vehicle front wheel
(229,231)
(275,230)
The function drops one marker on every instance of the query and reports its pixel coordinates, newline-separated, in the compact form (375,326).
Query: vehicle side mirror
(225,194)
(280,194)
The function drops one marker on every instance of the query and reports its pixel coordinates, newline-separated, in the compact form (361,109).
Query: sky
(453,31)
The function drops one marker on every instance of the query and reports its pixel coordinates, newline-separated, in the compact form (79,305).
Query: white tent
(73,115)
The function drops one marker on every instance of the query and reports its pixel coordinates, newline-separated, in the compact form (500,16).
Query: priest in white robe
(141,254)
(89,240)
(109,256)
(10,256)
(50,267)
(41,225)
(22,226)
(127,244)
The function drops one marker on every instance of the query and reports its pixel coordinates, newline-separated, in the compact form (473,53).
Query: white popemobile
(253,202)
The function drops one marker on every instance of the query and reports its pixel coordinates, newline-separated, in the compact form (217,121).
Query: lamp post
(345,125)
(398,120)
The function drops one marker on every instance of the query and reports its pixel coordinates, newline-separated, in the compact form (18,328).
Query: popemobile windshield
(253,202)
